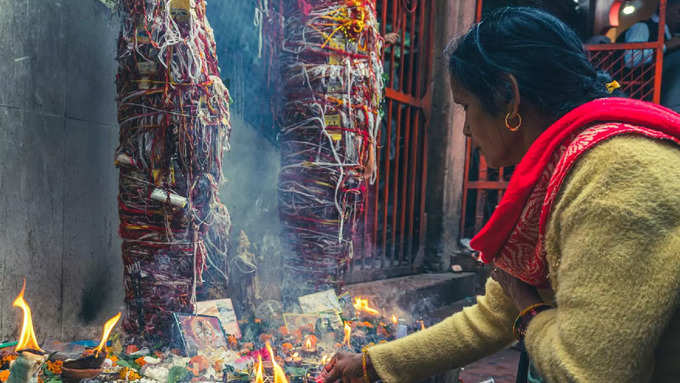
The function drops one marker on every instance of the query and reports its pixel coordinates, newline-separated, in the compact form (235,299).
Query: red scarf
(513,237)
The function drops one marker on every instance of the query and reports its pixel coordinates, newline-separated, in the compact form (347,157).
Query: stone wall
(58,186)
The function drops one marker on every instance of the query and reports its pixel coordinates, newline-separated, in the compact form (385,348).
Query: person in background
(584,242)
(647,31)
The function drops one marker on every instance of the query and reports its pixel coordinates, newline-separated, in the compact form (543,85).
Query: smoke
(245,63)
(249,69)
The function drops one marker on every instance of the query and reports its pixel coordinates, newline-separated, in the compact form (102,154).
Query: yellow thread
(612,86)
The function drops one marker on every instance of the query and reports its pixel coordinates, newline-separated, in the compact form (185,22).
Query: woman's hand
(522,294)
(346,367)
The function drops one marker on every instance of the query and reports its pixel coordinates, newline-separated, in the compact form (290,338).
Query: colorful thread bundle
(174,128)
(331,68)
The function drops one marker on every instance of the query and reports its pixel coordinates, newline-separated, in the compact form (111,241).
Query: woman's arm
(615,231)
(462,338)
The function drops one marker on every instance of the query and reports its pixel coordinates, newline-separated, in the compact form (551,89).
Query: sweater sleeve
(462,338)
(612,241)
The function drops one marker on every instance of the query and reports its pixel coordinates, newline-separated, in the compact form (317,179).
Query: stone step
(421,296)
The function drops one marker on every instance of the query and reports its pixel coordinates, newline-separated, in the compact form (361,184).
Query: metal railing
(394,220)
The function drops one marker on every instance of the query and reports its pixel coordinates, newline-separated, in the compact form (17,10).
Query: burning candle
(395,319)
(348,335)
(310,343)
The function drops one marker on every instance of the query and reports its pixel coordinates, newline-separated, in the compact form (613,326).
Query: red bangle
(519,328)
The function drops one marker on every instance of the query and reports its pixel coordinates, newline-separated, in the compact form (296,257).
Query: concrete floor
(502,367)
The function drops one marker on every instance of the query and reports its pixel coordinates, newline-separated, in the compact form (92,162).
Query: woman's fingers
(333,374)
(342,368)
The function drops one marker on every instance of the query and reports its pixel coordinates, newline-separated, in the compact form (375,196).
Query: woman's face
(487,131)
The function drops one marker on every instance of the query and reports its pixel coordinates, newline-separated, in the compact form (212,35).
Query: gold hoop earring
(507,122)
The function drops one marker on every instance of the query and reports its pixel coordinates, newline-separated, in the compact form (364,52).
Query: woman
(585,242)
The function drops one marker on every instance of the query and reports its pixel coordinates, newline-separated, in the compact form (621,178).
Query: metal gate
(394,219)
(636,66)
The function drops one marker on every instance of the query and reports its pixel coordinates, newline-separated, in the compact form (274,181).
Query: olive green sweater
(613,245)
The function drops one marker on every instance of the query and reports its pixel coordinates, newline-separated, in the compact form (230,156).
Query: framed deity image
(200,333)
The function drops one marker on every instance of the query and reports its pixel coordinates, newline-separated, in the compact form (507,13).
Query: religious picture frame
(200,333)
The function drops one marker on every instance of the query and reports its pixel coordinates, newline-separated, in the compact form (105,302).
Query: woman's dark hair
(546,57)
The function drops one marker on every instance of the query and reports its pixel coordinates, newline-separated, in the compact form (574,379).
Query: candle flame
(108,327)
(27,338)
(395,319)
(422,325)
(348,335)
(308,344)
(279,375)
(259,375)
(362,305)
(325,359)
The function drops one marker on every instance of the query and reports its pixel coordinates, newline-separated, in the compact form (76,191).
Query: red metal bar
(403,98)
(466,185)
(386,190)
(659,52)
(430,47)
(402,55)
(478,11)
(371,220)
(414,160)
(395,194)
(481,194)
(492,185)
(621,46)
(379,155)
(412,182)
(408,148)
(383,21)
(423,185)
(411,51)
(395,27)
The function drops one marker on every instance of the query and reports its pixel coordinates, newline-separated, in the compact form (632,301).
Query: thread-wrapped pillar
(329,118)
(174,127)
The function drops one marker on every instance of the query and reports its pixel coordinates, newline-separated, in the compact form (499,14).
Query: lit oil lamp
(310,344)
(347,341)
(31,356)
(90,365)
